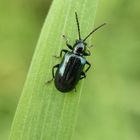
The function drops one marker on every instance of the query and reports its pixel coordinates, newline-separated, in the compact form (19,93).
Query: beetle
(71,68)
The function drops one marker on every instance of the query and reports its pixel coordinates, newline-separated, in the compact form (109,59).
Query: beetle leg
(56,66)
(68,45)
(65,51)
(87,53)
(49,81)
(83,75)
(90,46)
(89,65)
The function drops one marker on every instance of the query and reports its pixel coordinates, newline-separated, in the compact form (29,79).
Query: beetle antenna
(93,31)
(78,26)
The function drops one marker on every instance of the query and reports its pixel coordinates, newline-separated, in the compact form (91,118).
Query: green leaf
(43,112)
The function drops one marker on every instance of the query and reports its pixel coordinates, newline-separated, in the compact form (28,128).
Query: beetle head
(79,47)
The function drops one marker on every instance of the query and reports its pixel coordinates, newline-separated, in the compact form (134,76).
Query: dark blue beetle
(71,69)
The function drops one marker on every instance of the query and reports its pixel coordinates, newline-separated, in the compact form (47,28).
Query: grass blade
(43,112)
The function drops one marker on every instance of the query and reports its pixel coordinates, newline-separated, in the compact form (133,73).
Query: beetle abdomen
(73,66)
(71,74)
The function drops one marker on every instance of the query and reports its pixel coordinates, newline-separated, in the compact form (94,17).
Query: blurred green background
(111,110)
